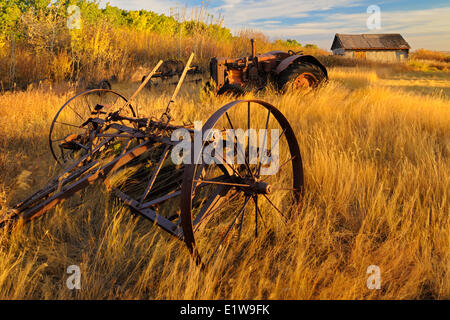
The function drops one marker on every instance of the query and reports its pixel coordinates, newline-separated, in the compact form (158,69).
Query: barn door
(360,55)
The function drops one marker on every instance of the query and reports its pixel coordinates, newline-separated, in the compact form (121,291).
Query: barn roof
(369,41)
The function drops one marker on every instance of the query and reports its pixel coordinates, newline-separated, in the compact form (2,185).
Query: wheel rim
(211,191)
(70,121)
(305,80)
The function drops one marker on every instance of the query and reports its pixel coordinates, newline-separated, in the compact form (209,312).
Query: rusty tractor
(237,75)
(207,204)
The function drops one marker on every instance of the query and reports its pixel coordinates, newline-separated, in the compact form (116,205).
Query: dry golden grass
(376,159)
(423,54)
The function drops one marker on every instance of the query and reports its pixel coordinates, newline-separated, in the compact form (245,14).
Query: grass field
(376,150)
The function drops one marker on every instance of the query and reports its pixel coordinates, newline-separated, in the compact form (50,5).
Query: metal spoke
(275,207)
(276,143)
(87,102)
(237,149)
(223,183)
(203,219)
(203,174)
(285,163)
(263,144)
(232,168)
(76,112)
(240,224)
(255,199)
(229,228)
(229,120)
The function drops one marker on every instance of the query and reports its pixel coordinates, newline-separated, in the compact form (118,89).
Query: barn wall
(349,54)
(383,55)
(377,55)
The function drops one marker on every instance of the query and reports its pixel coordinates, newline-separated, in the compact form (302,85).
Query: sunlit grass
(376,161)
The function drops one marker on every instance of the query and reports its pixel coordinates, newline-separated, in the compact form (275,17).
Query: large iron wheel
(231,199)
(72,133)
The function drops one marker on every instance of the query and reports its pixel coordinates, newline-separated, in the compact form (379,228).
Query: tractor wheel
(234,90)
(300,75)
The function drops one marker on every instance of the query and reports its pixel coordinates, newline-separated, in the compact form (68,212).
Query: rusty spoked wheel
(249,190)
(72,133)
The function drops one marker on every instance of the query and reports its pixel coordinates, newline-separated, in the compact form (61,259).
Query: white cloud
(421,28)
(240,12)
(265,23)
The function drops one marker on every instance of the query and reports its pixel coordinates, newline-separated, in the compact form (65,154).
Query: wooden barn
(378,47)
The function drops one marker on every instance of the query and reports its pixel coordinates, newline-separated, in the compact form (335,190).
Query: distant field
(376,150)
(428,83)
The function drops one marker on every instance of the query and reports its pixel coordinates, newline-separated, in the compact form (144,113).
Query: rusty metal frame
(140,136)
(255,70)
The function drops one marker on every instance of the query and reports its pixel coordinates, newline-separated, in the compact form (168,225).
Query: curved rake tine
(204,217)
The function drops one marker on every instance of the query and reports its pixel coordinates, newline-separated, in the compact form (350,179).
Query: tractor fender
(306,58)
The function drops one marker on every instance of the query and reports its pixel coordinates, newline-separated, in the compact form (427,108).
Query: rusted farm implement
(97,135)
(256,71)
(172,68)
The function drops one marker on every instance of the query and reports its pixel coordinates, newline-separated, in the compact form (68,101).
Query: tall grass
(422,54)
(430,61)
(377,168)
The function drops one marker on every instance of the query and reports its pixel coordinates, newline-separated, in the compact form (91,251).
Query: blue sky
(424,24)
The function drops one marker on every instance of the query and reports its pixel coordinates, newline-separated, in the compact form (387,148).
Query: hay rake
(97,135)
